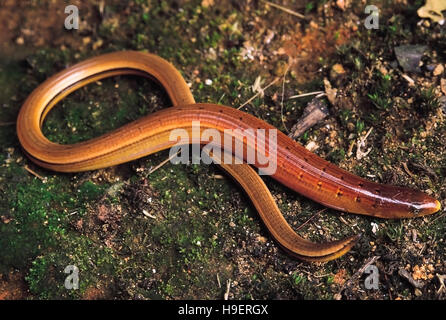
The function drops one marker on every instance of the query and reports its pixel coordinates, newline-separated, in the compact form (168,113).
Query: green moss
(297,279)
(336,155)
(381,96)
(426,101)
(90,191)
(36,223)
(188,239)
(47,275)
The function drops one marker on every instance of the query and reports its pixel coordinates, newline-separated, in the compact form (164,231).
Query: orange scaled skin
(297,168)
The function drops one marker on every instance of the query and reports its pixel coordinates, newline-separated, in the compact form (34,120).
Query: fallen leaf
(340,4)
(432,10)
(207,3)
(439,69)
(338,68)
(339,277)
(311,146)
(256,87)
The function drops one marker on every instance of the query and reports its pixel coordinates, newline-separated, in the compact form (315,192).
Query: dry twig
(406,168)
(228,287)
(314,93)
(294,13)
(358,273)
(441,278)
(314,112)
(4,124)
(310,219)
(283,93)
(361,144)
(405,274)
(258,93)
(152,170)
(44,179)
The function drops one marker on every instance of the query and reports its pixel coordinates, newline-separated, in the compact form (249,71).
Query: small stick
(218,281)
(164,162)
(228,287)
(283,93)
(408,79)
(4,124)
(441,278)
(294,13)
(425,168)
(258,93)
(361,143)
(306,94)
(310,219)
(350,148)
(221,98)
(344,221)
(35,173)
(439,217)
(314,112)
(422,249)
(407,170)
(315,275)
(358,273)
(372,260)
(417,284)
(147,214)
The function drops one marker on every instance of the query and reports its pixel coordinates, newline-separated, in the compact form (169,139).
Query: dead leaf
(103,212)
(207,3)
(439,69)
(339,277)
(341,4)
(432,10)
(256,87)
(338,69)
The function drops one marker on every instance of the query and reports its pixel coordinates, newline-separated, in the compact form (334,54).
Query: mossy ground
(183,231)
